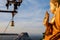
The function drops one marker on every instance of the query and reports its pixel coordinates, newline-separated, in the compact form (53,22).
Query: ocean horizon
(12,37)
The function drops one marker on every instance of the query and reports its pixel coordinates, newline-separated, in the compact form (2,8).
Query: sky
(28,19)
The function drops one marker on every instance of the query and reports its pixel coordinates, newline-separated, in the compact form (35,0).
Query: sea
(13,37)
(36,37)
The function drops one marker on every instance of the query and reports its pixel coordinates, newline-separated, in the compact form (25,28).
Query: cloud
(2,2)
(22,27)
(29,18)
(29,27)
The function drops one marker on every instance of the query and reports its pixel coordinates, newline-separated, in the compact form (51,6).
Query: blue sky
(28,19)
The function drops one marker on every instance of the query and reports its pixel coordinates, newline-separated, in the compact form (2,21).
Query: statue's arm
(47,24)
(46,19)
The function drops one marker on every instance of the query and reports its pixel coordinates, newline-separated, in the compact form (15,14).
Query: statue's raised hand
(46,18)
(47,15)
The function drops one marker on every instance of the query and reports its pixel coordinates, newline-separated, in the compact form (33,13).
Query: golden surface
(53,26)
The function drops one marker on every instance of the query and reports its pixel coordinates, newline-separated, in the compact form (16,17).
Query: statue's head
(53,5)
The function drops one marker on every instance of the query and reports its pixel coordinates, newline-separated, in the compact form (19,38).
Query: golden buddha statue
(53,26)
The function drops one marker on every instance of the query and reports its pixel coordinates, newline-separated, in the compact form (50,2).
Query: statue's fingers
(47,14)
